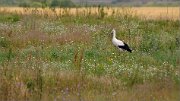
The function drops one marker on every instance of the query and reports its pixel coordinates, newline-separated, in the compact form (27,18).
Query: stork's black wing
(125,47)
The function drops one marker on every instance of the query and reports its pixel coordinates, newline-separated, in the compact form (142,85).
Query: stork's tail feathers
(129,50)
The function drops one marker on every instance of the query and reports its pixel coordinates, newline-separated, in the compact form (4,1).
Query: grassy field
(54,54)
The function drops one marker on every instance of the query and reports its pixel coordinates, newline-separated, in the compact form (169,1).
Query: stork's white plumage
(118,43)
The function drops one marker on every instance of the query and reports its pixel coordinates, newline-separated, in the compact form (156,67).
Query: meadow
(67,55)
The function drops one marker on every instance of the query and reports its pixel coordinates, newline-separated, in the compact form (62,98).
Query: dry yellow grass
(159,12)
(172,13)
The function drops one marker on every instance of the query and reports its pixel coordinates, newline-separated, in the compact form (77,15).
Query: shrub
(24,4)
(10,18)
(62,3)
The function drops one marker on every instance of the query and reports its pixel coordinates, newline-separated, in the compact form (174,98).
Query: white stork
(118,43)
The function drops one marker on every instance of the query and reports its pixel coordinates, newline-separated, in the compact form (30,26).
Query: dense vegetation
(37,3)
(77,3)
(65,57)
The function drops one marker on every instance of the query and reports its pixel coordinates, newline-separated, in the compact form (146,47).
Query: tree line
(66,3)
(37,3)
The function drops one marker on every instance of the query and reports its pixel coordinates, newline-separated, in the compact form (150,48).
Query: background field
(171,13)
(66,54)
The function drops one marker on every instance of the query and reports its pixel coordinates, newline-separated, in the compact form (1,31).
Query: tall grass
(71,57)
(143,12)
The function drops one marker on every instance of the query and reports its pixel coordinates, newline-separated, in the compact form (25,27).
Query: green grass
(72,58)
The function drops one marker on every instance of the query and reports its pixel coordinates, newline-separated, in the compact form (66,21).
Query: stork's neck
(114,35)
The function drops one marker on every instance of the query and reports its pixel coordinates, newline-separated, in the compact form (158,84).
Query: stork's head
(113,31)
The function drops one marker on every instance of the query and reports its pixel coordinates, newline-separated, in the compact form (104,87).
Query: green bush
(9,18)
(62,3)
(36,4)
(24,4)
